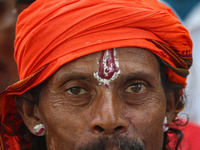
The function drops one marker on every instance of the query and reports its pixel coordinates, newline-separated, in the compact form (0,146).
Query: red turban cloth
(51,33)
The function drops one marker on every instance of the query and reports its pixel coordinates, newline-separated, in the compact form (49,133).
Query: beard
(116,143)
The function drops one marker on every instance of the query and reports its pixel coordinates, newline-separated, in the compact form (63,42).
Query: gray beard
(117,142)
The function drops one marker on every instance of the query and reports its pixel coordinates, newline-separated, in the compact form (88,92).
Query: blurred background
(188,12)
(8,70)
(9,10)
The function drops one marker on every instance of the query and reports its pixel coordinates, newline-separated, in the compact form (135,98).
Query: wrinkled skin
(8,67)
(76,110)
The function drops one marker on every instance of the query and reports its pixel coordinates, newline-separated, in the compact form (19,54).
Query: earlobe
(28,110)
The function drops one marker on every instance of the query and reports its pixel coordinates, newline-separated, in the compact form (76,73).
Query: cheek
(64,124)
(147,122)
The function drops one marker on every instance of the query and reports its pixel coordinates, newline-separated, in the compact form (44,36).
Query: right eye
(136,88)
(76,91)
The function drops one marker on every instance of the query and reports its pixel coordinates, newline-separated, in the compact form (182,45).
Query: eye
(136,88)
(76,91)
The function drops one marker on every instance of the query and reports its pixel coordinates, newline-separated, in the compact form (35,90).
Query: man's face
(80,110)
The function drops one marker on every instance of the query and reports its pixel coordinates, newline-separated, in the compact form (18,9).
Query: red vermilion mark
(108,67)
(106,85)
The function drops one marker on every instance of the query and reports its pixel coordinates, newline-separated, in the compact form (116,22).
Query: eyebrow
(65,77)
(139,75)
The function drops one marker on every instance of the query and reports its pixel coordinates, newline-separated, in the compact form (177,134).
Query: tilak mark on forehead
(108,67)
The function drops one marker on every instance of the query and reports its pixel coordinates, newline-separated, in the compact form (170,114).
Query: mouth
(112,146)
(115,143)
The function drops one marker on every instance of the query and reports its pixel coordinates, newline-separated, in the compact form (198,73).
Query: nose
(108,118)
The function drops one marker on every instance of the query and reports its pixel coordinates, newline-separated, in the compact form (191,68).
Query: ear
(28,110)
(171,106)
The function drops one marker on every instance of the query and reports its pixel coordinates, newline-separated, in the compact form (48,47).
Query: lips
(113,143)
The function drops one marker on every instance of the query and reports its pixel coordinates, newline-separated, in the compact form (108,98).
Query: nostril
(118,128)
(98,128)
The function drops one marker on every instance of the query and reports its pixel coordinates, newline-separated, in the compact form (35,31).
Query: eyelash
(80,91)
(136,86)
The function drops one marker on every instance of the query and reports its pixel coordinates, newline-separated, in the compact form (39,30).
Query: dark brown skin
(134,105)
(8,67)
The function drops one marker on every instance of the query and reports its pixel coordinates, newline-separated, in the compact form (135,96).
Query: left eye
(136,88)
(76,91)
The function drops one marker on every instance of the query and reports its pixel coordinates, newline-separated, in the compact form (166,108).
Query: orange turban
(51,33)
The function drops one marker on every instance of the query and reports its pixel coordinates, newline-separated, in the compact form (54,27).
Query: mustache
(120,142)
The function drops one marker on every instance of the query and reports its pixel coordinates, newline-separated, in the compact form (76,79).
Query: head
(102,79)
(124,112)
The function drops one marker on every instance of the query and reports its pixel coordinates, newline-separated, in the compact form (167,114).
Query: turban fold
(51,33)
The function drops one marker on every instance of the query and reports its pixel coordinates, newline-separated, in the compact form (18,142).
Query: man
(96,75)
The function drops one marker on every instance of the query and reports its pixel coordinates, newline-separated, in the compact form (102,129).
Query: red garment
(191,137)
(51,33)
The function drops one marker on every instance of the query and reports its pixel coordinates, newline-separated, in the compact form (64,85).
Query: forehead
(131,60)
